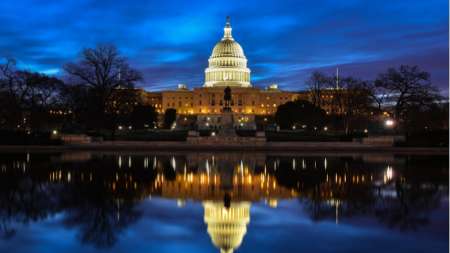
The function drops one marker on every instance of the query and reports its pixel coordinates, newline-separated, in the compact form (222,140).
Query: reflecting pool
(223,202)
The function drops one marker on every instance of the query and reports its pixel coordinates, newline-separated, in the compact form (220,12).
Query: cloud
(284,41)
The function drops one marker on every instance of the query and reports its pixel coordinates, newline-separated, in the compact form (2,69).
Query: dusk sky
(284,41)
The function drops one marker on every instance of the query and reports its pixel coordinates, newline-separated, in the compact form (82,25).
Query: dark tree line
(95,92)
(405,95)
(25,96)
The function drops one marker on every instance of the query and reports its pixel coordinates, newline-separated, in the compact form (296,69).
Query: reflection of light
(146,162)
(181,203)
(119,161)
(173,163)
(293,163)
(388,174)
(273,203)
(325,163)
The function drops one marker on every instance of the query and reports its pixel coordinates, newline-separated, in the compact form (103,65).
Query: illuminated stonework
(227,63)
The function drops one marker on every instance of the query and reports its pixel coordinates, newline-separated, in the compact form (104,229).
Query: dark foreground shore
(333,147)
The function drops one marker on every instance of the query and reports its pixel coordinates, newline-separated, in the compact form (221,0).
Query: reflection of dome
(227,64)
(227,226)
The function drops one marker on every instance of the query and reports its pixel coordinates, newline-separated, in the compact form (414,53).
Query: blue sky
(284,41)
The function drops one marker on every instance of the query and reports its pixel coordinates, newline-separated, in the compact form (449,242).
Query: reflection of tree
(346,200)
(99,215)
(100,212)
(23,197)
(410,209)
(333,192)
(23,201)
(104,205)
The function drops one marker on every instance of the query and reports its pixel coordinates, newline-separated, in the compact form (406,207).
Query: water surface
(223,202)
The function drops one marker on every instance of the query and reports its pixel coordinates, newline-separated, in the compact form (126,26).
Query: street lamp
(389,123)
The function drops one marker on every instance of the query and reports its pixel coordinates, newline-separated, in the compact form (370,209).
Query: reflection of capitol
(394,190)
(244,187)
(227,226)
(226,194)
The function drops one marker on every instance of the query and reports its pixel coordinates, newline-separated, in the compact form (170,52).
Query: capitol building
(227,67)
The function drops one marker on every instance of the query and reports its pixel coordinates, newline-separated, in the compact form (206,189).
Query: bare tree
(355,101)
(101,70)
(378,94)
(317,83)
(407,86)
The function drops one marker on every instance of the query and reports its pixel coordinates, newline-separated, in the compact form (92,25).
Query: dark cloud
(170,41)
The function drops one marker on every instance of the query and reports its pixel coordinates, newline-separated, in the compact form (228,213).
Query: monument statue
(227,124)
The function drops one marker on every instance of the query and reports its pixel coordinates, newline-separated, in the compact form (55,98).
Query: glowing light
(55,132)
(389,123)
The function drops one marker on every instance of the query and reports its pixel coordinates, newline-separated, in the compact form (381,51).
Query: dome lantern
(227,30)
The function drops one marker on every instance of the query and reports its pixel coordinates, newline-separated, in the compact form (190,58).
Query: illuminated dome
(227,226)
(227,63)
(228,48)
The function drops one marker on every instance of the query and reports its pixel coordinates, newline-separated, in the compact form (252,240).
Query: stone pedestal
(227,124)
